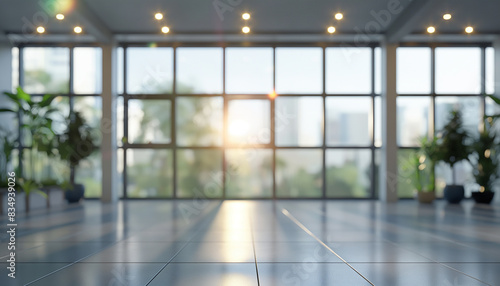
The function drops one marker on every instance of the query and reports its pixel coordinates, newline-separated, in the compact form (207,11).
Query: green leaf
(494,98)
(47,100)
(23,95)
(6,110)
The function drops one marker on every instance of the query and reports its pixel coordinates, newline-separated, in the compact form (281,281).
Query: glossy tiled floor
(241,243)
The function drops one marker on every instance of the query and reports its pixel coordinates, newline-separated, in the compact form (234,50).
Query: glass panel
(90,107)
(149,121)
(299,121)
(406,171)
(348,173)
(119,121)
(378,122)
(413,119)
(199,173)
(46,70)
(378,70)
(45,170)
(376,172)
(348,121)
(299,70)
(470,107)
(120,70)
(149,173)
(348,70)
(120,167)
(87,70)
(249,121)
(249,173)
(490,70)
(299,173)
(199,121)
(199,70)
(493,109)
(9,120)
(89,173)
(463,176)
(149,70)
(249,70)
(413,70)
(15,68)
(458,70)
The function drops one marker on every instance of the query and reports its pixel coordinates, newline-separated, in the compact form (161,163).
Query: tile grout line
(179,251)
(300,225)
(69,264)
(440,263)
(167,263)
(254,252)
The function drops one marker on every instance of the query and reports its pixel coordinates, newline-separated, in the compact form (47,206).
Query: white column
(7,119)
(5,67)
(108,125)
(388,164)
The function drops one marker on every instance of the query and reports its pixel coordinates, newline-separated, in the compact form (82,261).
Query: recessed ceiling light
(469,30)
(339,16)
(447,16)
(40,30)
(60,16)
(78,29)
(158,16)
(331,29)
(245,16)
(245,30)
(431,30)
(165,29)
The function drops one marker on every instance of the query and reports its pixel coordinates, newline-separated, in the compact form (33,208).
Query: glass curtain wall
(248,122)
(74,75)
(432,81)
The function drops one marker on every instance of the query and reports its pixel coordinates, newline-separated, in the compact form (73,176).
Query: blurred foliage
(484,155)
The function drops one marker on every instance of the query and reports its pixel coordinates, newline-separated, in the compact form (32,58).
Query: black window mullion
(125,123)
(323,145)
(173,125)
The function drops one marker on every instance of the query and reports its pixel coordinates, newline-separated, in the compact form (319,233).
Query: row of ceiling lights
(246,16)
(447,17)
(60,17)
(246,29)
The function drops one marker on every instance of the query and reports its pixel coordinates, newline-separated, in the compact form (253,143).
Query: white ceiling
(268,16)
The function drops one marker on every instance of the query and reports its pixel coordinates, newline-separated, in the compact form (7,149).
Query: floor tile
(414,274)
(487,272)
(137,252)
(27,272)
(374,252)
(216,252)
(60,252)
(308,274)
(293,252)
(105,274)
(207,274)
(451,252)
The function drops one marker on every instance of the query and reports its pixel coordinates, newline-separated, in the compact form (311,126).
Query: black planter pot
(454,193)
(483,198)
(74,195)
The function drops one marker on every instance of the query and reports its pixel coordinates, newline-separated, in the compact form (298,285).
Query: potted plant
(75,144)
(485,162)
(429,155)
(37,122)
(452,142)
(420,166)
